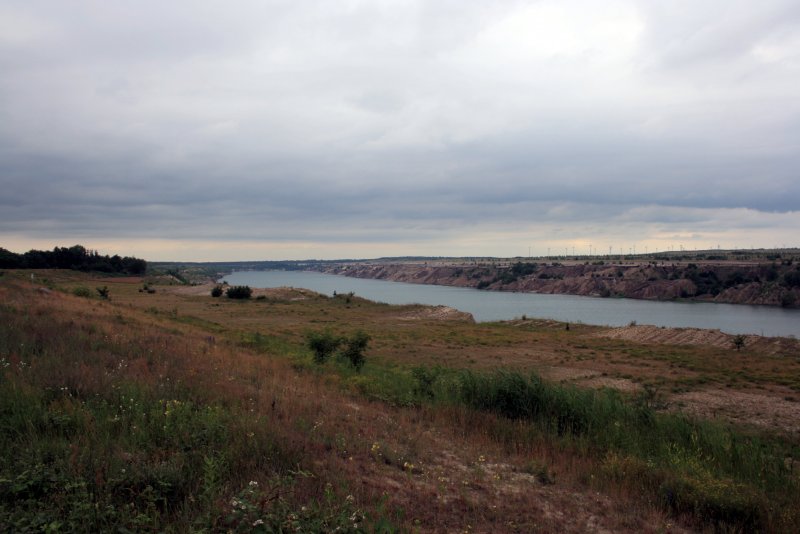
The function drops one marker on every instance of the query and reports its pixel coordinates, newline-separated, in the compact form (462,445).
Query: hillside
(163,408)
(770,283)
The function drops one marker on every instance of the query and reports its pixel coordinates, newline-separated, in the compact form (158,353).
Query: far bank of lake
(497,306)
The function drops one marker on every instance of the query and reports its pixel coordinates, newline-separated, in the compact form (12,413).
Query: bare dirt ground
(621,384)
(587,378)
(773,407)
(453,482)
(697,336)
(122,280)
(436,313)
(758,409)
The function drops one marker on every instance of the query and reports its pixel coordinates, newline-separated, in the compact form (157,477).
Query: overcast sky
(202,130)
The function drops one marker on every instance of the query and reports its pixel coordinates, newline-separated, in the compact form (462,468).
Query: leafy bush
(239,292)
(323,344)
(82,291)
(216,292)
(354,349)
(426,378)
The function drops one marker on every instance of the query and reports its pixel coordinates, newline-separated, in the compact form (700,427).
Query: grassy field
(171,410)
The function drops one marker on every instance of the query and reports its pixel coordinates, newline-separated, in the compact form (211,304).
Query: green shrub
(239,292)
(216,292)
(354,349)
(323,344)
(426,378)
(82,291)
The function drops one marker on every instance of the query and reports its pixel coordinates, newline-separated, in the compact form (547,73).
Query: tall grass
(109,423)
(721,475)
(706,468)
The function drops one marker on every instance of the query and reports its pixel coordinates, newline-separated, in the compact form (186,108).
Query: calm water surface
(495,305)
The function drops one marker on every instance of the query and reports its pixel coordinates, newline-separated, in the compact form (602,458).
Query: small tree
(426,378)
(239,292)
(216,292)
(738,341)
(323,344)
(354,349)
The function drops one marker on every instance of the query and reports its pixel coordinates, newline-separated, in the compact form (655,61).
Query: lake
(497,305)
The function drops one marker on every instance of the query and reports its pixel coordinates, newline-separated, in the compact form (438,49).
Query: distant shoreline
(752,283)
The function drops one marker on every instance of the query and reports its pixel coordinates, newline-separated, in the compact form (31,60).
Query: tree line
(77,258)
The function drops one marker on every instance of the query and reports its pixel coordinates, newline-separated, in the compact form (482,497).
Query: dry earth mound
(698,336)
(436,313)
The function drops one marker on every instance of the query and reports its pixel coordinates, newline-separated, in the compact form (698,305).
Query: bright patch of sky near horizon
(288,130)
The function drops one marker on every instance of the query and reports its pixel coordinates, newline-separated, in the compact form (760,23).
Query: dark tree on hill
(9,260)
(76,257)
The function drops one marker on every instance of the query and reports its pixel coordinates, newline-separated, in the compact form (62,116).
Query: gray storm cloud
(382,122)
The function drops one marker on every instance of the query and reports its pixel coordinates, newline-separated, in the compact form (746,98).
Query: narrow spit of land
(162,406)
